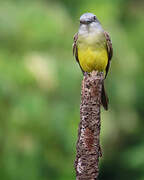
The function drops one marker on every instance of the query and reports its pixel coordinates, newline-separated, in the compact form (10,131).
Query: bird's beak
(85,21)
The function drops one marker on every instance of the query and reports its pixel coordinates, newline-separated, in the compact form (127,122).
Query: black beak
(85,21)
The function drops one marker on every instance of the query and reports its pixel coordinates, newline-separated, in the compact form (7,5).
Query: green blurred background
(40,84)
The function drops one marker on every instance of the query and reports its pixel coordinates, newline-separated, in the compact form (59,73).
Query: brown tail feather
(104,98)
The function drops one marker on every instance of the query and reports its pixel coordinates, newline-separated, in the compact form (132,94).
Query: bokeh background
(40,86)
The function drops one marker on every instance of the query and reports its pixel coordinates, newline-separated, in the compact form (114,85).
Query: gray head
(88,18)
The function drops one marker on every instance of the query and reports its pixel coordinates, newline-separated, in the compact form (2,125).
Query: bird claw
(85,74)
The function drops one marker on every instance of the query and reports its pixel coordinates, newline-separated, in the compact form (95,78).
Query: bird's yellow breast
(93,59)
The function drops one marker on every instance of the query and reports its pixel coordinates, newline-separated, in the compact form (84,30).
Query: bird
(92,48)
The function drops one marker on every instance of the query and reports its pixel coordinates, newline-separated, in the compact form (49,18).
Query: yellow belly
(91,59)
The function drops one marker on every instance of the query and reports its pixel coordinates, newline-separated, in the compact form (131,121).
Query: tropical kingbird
(92,48)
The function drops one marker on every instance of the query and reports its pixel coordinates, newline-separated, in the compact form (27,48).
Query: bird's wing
(110,51)
(75,50)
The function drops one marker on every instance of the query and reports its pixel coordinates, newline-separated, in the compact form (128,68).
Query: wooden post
(88,144)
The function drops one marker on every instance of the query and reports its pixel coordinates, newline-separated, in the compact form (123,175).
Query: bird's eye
(94,17)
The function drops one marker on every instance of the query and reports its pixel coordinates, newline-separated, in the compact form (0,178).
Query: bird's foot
(85,74)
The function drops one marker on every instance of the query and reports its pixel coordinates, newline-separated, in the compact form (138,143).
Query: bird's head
(88,18)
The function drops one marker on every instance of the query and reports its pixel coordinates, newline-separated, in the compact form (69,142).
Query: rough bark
(88,144)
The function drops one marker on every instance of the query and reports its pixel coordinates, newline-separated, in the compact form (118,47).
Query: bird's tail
(104,98)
